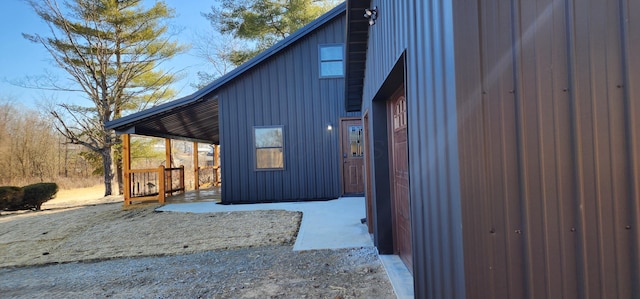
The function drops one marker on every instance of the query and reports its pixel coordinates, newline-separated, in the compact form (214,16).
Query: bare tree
(27,144)
(7,115)
(111,51)
(215,51)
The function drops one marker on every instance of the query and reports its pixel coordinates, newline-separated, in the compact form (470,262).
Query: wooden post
(182,178)
(196,172)
(168,164)
(167,151)
(216,164)
(126,165)
(161,187)
(216,154)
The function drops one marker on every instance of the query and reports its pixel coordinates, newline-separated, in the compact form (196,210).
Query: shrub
(10,197)
(35,195)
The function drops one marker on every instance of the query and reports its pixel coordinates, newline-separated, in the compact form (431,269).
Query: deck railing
(174,180)
(208,176)
(153,184)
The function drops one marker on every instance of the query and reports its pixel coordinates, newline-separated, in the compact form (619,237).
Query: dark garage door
(400,177)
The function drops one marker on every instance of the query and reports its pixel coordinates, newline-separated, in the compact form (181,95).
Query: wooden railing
(208,176)
(173,180)
(153,184)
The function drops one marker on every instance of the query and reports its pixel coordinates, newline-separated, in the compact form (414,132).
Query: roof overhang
(356,53)
(195,117)
(195,120)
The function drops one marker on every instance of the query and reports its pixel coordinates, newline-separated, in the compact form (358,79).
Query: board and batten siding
(285,90)
(548,116)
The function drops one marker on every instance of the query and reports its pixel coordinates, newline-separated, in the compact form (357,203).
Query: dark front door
(400,177)
(352,156)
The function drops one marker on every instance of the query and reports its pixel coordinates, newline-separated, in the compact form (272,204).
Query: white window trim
(255,149)
(320,61)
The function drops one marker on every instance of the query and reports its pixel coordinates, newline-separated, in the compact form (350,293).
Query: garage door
(400,177)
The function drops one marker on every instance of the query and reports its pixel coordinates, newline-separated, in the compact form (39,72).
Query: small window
(269,144)
(355,141)
(331,61)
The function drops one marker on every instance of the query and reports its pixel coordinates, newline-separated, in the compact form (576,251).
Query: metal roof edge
(186,100)
(351,5)
(297,35)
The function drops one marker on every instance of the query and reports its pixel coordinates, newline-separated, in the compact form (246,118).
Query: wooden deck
(212,194)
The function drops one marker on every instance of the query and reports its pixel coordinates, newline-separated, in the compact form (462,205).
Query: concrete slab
(400,277)
(325,224)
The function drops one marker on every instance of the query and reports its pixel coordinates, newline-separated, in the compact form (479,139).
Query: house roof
(356,52)
(195,117)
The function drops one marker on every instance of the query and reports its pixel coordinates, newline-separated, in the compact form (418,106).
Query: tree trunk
(118,164)
(115,189)
(108,171)
(120,177)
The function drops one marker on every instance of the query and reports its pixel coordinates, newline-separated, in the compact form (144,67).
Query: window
(269,143)
(355,141)
(331,61)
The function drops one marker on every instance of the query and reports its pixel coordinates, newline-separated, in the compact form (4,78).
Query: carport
(192,118)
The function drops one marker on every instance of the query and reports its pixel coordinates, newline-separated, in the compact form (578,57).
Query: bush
(29,197)
(35,195)
(10,197)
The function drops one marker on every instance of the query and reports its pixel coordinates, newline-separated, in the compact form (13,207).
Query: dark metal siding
(524,143)
(424,30)
(548,133)
(285,90)
(433,148)
(387,42)
(631,64)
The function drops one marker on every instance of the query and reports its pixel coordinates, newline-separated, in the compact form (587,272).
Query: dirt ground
(106,232)
(80,197)
(98,250)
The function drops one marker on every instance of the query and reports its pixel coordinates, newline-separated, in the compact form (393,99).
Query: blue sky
(20,58)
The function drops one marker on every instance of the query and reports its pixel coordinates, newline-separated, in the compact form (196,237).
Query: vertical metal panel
(470,137)
(546,128)
(486,115)
(631,63)
(548,134)
(541,97)
(387,43)
(424,30)
(431,100)
(604,184)
(285,90)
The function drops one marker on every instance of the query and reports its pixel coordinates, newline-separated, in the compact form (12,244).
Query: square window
(331,61)
(269,158)
(331,69)
(331,52)
(269,148)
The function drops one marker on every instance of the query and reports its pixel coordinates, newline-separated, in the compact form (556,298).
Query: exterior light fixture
(371,14)
(329,127)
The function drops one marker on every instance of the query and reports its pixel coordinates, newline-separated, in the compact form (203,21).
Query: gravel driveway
(261,272)
(254,261)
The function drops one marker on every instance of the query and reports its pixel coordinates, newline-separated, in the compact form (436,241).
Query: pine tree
(111,49)
(263,22)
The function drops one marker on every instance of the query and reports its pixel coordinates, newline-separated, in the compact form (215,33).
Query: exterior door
(352,156)
(400,177)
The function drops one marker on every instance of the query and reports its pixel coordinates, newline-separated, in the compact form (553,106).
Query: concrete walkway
(329,224)
(325,224)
